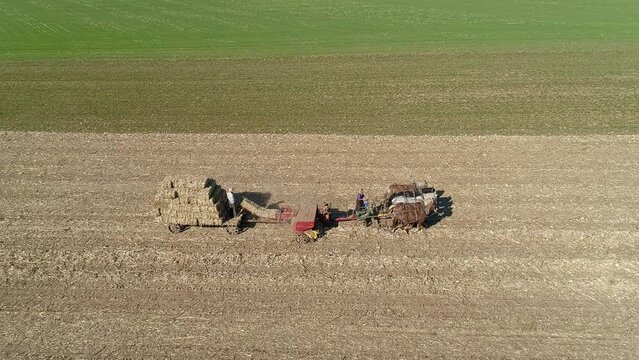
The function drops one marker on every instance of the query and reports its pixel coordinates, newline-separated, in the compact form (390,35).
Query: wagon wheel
(175,228)
(233,230)
(303,239)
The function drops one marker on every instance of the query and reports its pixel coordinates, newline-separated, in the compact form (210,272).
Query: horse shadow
(444,209)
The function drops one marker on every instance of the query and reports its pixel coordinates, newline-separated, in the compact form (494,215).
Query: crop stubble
(539,256)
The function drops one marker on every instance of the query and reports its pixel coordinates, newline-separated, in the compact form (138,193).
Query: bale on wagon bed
(192,201)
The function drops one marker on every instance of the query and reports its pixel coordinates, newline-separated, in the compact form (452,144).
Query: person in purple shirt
(359,202)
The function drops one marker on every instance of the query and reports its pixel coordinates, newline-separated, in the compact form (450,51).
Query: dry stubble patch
(538,256)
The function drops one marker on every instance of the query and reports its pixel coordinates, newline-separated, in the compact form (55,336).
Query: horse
(411,215)
(400,189)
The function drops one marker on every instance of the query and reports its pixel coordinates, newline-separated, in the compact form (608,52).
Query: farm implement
(306,219)
(183,203)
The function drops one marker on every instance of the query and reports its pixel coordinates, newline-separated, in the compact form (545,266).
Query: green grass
(72,28)
(349,67)
(446,93)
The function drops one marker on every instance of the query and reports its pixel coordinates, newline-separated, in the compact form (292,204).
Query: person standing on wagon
(231,198)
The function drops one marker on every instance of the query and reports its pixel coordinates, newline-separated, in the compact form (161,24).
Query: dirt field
(538,258)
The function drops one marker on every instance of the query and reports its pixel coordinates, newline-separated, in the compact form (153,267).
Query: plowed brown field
(539,256)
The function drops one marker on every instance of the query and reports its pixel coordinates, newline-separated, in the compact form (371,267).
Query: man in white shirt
(231,198)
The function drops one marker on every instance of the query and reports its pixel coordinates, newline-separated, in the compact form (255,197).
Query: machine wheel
(175,228)
(303,239)
(233,230)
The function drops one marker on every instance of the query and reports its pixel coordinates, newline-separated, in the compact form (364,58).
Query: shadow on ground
(444,209)
(260,198)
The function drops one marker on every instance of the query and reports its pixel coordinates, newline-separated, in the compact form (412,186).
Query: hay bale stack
(192,201)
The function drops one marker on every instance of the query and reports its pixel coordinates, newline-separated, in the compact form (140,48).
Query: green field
(70,28)
(363,67)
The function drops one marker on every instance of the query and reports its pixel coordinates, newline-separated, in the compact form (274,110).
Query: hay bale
(195,182)
(192,201)
(166,193)
(164,196)
(167,183)
(162,203)
(258,210)
(209,216)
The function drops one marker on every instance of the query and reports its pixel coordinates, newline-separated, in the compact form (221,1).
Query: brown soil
(539,258)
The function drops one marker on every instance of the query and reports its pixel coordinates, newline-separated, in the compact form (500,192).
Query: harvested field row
(538,255)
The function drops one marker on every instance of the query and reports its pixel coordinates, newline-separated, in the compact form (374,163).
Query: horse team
(410,205)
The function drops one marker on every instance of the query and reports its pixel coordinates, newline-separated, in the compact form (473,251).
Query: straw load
(260,211)
(195,201)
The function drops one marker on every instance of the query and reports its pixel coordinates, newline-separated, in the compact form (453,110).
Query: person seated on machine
(359,202)
(325,212)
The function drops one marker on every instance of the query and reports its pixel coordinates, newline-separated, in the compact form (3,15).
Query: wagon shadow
(444,209)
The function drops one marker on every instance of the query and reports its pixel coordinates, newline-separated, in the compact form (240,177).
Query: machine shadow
(260,198)
(332,223)
(444,209)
